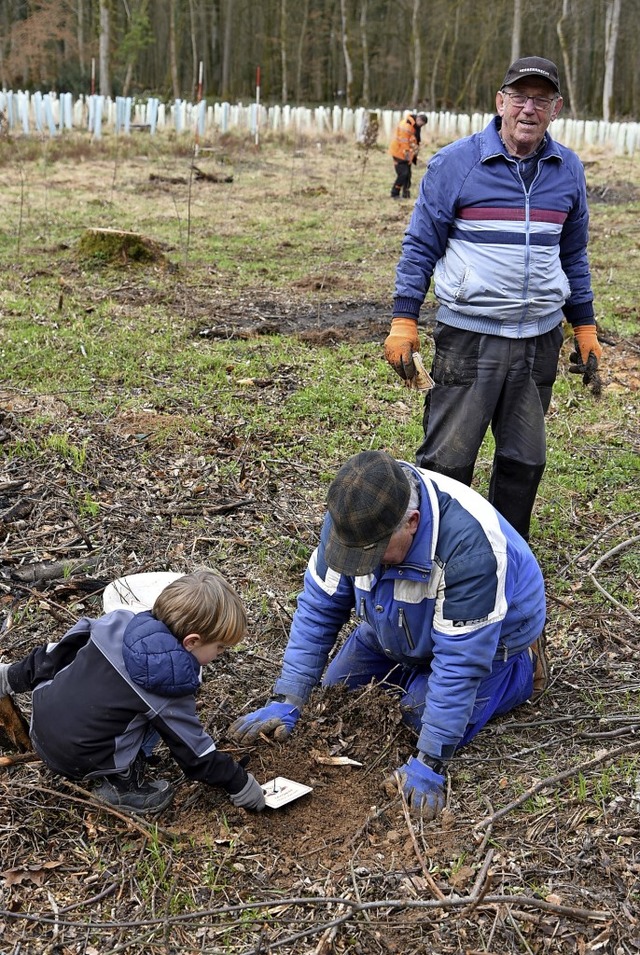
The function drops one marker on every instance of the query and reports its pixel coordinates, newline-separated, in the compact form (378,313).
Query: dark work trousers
(483,380)
(403,178)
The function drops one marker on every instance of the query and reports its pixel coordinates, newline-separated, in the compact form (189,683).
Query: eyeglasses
(541,103)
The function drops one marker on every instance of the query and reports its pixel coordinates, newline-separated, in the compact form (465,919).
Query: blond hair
(202,602)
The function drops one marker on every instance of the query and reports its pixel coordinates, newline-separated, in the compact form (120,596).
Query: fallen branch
(196,510)
(552,780)
(436,892)
(592,543)
(57,611)
(210,177)
(17,511)
(175,180)
(482,884)
(352,908)
(86,798)
(605,593)
(51,570)
(17,758)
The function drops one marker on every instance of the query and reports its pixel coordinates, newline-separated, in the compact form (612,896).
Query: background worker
(404,149)
(450,604)
(501,224)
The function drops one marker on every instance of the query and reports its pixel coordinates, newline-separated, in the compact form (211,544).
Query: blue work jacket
(505,259)
(468,592)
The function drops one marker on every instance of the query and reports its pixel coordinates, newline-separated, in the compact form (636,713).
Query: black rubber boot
(512,491)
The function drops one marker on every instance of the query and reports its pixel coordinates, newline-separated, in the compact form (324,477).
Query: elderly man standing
(501,225)
(450,605)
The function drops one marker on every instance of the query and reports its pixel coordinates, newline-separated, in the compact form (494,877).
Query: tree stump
(14,729)
(112,246)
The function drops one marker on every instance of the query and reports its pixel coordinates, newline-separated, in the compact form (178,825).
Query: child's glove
(276,718)
(250,796)
(422,787)
(5,688)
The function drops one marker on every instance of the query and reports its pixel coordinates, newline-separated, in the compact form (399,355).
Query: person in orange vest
(404,149)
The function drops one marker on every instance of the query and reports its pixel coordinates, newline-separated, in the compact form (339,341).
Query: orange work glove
(586,340)
(584,360)
(400,344)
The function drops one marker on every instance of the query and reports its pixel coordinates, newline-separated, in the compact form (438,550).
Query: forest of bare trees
(437,54)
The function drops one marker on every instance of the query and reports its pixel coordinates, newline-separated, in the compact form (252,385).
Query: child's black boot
(130,792)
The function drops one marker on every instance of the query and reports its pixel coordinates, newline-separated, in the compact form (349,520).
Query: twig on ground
(57,611)
(435,890)
(487,834)
(611,553)
(16,758)
(352,908)
(326,942)
(552,780)
(482,884)
(89,802)
(519,933)
(598,537)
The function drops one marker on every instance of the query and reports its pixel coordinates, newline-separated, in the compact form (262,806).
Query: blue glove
(276,718)
(422,787)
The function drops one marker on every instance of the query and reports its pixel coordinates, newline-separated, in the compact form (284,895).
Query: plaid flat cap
(366,501)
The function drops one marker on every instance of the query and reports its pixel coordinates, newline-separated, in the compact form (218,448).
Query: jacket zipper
(402,623)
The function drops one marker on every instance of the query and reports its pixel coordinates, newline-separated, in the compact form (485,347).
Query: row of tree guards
(50,113)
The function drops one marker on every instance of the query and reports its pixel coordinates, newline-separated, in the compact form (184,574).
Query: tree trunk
(214,76)
(364,42)
(431,97)
(173,56)
(194,49)
(345,52)
(127,78)
(104,42)
(563,28)
(611,29)
(283,50)
(80,38)
(417,52)
(227,50)
(516,32)
(301,39)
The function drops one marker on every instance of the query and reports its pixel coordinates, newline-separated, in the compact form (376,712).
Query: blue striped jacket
(505,260)
(468,592)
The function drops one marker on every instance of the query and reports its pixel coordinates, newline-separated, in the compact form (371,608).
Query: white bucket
(136,592)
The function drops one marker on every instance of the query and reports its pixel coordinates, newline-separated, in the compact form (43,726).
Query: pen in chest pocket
(404,625)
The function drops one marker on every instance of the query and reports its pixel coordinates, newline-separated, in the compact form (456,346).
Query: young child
(112,685)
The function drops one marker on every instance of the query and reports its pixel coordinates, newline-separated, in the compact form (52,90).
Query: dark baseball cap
(366,500)
(532,66)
